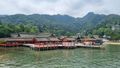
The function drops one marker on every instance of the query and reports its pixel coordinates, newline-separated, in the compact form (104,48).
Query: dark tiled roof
(17,39)
(42,39)
(68,39)
(54,39)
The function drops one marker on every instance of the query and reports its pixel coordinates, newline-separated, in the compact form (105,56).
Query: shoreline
(112,43)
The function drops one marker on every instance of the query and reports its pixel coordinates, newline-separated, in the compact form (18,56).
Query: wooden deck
(49,47)
(52,46)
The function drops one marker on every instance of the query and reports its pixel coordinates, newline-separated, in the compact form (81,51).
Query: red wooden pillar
(34,40)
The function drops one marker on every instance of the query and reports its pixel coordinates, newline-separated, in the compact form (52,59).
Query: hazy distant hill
(61,24)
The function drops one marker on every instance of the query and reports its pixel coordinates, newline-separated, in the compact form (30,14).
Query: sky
(75,8)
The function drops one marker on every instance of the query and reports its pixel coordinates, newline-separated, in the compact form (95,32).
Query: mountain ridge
(59,24)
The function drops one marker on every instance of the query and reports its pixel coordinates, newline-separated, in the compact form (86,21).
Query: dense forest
(90,24)
(7,29)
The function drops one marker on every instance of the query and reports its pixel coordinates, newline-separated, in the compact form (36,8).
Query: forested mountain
(91,20)
(110,26)
(58,24)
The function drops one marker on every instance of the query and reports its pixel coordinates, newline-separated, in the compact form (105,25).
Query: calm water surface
(20,57)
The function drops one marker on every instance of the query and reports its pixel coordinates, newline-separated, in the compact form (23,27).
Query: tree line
(7,29)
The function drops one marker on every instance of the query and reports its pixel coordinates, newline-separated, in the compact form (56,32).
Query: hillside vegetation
(60,24)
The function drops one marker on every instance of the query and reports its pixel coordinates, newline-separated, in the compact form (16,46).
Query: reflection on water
(20,57)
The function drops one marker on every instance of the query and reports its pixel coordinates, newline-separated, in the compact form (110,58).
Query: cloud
(76,8)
